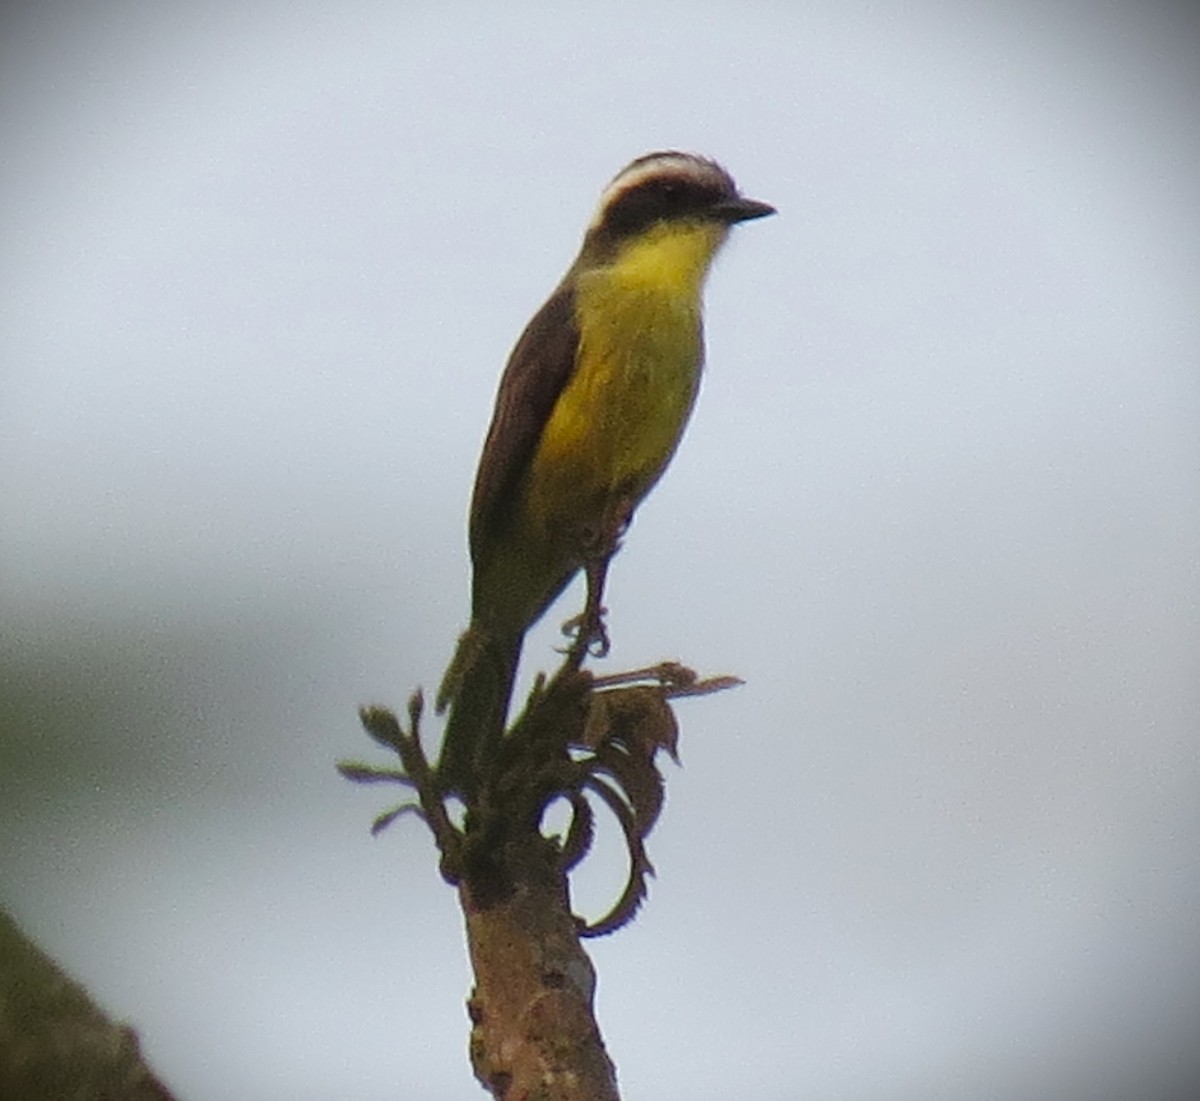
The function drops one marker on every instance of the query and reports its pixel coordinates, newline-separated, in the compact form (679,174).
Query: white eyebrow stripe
(664,164)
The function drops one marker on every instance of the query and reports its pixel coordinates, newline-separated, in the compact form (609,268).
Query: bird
(589,411)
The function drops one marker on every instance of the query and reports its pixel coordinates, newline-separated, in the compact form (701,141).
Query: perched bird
(590,409)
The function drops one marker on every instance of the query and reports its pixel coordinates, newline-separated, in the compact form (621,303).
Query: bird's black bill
(742,210)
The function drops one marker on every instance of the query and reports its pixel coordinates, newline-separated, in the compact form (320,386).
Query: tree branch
(534,1035)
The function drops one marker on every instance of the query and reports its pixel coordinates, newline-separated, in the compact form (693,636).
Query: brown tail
(478,686)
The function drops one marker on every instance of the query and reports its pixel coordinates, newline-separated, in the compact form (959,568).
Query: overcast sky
(939,506)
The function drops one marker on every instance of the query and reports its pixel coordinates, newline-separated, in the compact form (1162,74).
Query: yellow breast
(620,418)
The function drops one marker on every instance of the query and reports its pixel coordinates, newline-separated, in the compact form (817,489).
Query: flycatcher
(590,409)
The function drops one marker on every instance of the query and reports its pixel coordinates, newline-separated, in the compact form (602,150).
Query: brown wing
(539,368)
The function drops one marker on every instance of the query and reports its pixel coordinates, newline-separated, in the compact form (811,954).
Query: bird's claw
(589,636)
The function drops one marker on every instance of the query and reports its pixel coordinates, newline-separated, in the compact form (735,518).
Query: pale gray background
(939,506)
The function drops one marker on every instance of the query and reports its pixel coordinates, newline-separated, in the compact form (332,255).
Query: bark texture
(534,1036)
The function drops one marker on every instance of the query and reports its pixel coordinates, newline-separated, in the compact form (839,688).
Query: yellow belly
(619,420)
(614,427)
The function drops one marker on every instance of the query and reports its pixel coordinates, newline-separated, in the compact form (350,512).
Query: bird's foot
(589,636)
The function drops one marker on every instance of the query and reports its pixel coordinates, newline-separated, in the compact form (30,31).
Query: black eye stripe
(655,199)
